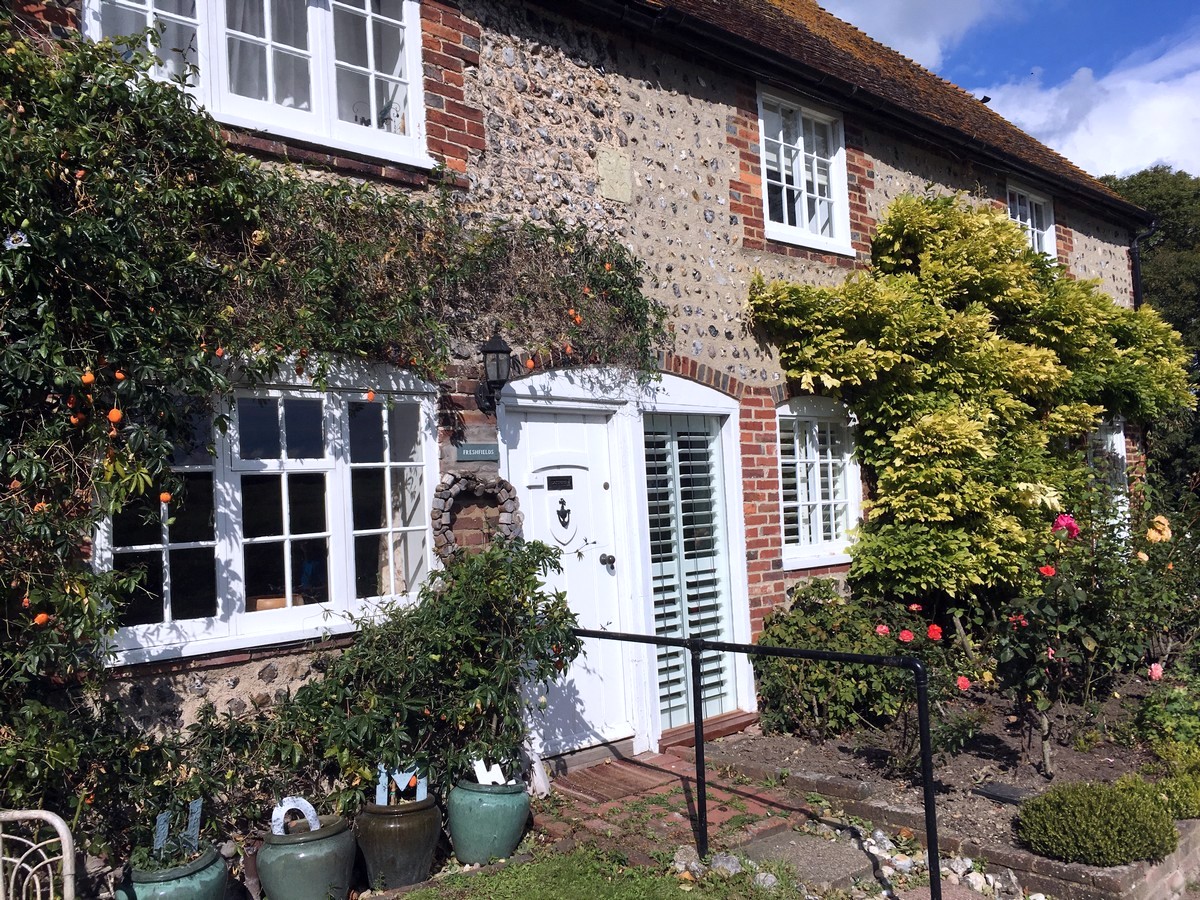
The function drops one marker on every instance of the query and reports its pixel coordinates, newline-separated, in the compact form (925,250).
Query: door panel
(560,465)
(688,560)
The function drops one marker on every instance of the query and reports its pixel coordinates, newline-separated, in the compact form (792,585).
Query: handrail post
(695,646)
(921,676)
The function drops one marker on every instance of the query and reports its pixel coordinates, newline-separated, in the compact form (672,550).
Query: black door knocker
(564,514)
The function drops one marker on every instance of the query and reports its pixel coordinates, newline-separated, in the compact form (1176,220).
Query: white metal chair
(35,864)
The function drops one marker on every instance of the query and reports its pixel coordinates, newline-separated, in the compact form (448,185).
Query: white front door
(559,463)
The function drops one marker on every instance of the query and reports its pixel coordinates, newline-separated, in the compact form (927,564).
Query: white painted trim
(839,186)
(1050,233)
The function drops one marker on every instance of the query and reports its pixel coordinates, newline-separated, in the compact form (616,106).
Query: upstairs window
(804,175)
(820,485)
(1035,215)
(342,73)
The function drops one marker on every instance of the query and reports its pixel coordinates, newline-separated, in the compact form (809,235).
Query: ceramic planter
(398,841)
(201,879)
(486,821)
(308,865)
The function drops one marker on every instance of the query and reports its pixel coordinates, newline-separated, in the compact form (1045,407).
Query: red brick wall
(449,44)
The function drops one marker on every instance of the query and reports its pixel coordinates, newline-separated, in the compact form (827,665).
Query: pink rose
(1066,523)
(963,682)
(906,636)
(882,629)
(1156,671)
(1049,653)
(914,607)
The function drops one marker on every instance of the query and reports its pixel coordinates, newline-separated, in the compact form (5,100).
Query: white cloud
(1142,113)
(920,29)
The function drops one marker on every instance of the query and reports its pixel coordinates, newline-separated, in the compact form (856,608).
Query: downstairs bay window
(343,73)
(820,485)
(314,505)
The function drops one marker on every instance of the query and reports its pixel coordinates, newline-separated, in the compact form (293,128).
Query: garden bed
(853,776)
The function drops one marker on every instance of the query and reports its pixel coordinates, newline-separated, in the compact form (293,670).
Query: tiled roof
(817,42)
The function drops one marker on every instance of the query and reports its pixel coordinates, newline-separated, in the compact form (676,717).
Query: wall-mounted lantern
(497,360)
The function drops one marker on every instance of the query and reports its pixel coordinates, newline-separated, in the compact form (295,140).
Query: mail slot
(560,483)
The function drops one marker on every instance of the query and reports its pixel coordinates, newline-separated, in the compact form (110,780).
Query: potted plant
(398,833)
(175,867)
(310,858)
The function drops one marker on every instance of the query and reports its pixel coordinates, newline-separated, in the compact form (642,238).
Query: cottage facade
(715,140)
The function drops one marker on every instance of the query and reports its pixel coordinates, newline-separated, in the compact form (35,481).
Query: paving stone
(817,862)
(949,892)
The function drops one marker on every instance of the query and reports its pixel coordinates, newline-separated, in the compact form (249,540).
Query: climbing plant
(145,266)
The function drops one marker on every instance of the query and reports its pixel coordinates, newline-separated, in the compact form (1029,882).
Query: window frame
(820,410)
(840,241)
(321,126)
(1047,236)
(233,628)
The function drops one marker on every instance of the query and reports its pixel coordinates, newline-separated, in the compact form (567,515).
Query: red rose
(906,636)
(934,632)
(1048,571)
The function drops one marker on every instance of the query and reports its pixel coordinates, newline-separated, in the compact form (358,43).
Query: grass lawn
(588,874)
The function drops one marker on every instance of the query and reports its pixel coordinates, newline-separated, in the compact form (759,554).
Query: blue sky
(1112,85)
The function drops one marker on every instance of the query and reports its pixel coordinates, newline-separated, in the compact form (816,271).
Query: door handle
(607,559)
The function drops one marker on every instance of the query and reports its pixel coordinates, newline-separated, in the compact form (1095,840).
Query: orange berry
(76,418)
(115,415)
(87,377)
(164,497)
(119,375)
(220,351)
(579,320)
(608,267)
(370,396)
(41,618)
(79,173)
(571,312)
(530,364)
(25,603)
(586,289)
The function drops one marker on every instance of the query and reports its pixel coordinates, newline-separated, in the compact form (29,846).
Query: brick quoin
(450,44)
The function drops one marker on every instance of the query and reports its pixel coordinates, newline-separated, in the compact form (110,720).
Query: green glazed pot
(486,821)
(308,865)
(398,841)
(201,879)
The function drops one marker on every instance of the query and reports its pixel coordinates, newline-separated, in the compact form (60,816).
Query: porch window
(344,74)
(820,486)
(313,503)
(804,175)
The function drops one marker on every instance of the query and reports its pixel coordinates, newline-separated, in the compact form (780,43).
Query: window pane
(191,448)
(247,69)
(246,16)
(306,502)
(393,9)
(186,8)
(194,514)
(264,576)
(292,81)
(350,38)
(138,524)
(116,21)
(393,106)
(145,606)
(178,49)
(404,432)
(310,564)
(354,97)
(409,552)
(389,49)
(305,432)
(367,499)
(289,23)
(408,498)
(371,567)
(262,506)
(258,428)
(193,584)
(366,432)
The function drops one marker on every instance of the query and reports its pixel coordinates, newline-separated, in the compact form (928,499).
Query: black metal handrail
(697,646)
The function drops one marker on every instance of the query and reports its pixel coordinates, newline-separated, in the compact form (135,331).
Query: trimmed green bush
(1098,824)
(1181,795)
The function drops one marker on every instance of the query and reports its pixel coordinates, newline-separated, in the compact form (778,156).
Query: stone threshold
(1063,881)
